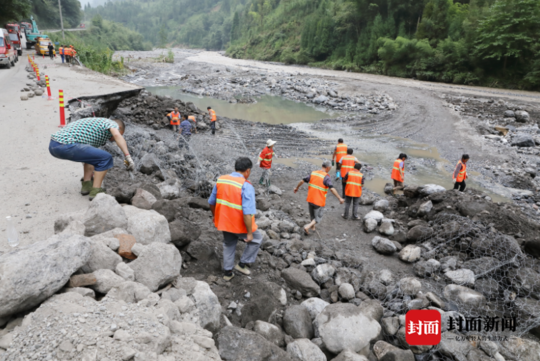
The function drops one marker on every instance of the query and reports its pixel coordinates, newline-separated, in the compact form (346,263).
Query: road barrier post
(37,72)
(62,114)
(48,87)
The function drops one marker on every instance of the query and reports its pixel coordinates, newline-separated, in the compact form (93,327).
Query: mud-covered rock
(297,322)
(270,332)
(301,281)
(383,245)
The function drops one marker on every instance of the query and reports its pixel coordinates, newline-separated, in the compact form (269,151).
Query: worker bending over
(213,119)
(192,118)
(346,165)
(354,181)
(460,173)
(265,162)
(319,182)
(398,172)
(339,152)
(185,131)
(79,142)
(232,203)
(174,118)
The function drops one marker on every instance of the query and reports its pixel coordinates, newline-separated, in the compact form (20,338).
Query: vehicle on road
(15,37)
(42,46)
(25,26)
(32,34)
(8,54)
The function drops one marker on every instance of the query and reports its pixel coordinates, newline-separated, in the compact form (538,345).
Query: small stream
(425,165)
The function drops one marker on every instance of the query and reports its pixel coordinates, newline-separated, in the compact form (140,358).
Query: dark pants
(343,185)
(51,54)
(460,185)
(213,127)
(354,201)
(184,139)
(62,56)
(82,153)
(229,249)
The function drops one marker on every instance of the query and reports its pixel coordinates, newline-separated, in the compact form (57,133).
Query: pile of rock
(34,88)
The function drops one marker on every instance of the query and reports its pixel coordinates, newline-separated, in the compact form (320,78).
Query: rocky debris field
(34,88)
(137,275)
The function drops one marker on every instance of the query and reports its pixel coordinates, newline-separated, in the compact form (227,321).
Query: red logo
(423,327)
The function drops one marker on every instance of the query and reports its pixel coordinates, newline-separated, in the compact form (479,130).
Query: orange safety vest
(317,191)
(61,50)
(347,164)
(213,117)
(462,175)
(191,117)
(353,188)
(266,158)
(228,214)
(341,151)
(398,174)
(175,118)
(67,51)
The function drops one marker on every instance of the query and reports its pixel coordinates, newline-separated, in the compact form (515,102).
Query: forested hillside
(45,12)
(486,42)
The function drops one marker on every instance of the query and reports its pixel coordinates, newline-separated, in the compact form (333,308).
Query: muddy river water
(378,151)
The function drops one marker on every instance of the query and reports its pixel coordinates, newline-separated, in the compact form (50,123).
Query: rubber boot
(86,187)
(95,191)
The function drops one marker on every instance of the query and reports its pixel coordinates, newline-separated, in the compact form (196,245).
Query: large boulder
(523,140)
(170,189)
(183,232)
(104,214)
(522,116)
(301,281)
(525,281)
(418,233)
(323,273)
(464,296)
(429,189)
(29,275)
(101,257)
(349,356)
(106,280)
(143,199)
(386,351)
(208,309)
(410,253)
(166,208)
(129,292)
(383,245)
(148,164)
(265,301)
(462,276)
(237,344)
(376,215)
(344,326)
(270,332)
(147,226)
(381,205)
(297,322)
(387,227)
(156,265)
(305,350)
(314,306)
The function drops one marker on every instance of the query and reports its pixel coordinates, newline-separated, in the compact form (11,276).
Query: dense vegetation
(488,42)
(95,46)
(45,12)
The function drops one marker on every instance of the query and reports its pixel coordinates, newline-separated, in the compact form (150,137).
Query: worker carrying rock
(174,119)
(192,118)
(185,131)
(232,203)
(354,182)
(79,142)
(460,173)
(339,152)
(398,172)
(265,162)
(347,163)
(319,182)
(213,119)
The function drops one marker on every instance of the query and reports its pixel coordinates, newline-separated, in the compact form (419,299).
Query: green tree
(434,24)
(14,10)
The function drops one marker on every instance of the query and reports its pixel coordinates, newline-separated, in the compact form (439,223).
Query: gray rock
(24,97)
(236,344)
(346,291)
(523,140)
(488,287)
(285,226)
(124,271)
(208,308)
(101,257)
(270,332)
(451,346)
(386,351)
(390,325)
(370,224)
(320,99)
(418,233)
(525,281)
(83,291)
(425,208)
(170,189)
(305,350)
(349,356)
(104,214)
(381,205)
(517,348)
(464,295)
(156,265)
(410,253)
(509,114)
(522,116)
(376,215)
(75,228)
(148,164)
(410,286)
(143,199)
(426,268)
(147,226)
(345,327)
(464,277)
(33,273)
(481,266)
(274,190)
(323,273)
(387,227)
(383,245)
(314,306)
(297,322)
(183,232)
(429,189)
(106,280)
(129,292)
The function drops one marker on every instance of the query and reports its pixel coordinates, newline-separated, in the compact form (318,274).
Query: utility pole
(61,21)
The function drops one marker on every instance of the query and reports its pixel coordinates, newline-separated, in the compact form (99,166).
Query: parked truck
(32,34)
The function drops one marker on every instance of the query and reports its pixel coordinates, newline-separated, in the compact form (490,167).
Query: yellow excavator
(42,46)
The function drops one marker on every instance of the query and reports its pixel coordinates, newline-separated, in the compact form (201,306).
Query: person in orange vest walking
(460,173)
(232,203)
(174,118)
(265,162)
(339,152)
(213,119)
(398,172)
(347,164)
(61,52)
(192,119)
(319,182)
(354,181)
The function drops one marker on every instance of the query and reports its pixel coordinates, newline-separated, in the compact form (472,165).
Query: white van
(8,53)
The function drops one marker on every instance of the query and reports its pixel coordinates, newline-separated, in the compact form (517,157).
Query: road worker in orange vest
(339,152)
(398,172)
(213,119)
(347,164)
(232,203)
(67,54)
(174,118)
(192,118)
(354,181)
(319,183)
(460,173)
(265,162)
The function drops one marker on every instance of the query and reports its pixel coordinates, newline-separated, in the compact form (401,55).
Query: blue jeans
(82,153)
(62,56)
